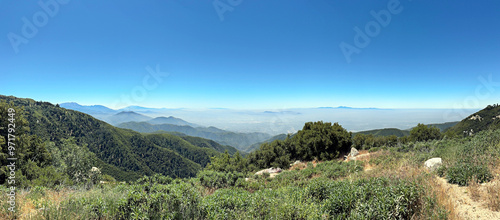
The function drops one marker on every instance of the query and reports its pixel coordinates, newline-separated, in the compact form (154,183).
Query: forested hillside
(487,118)
(126,116)
(170,120)
(386,132)
(237,140)
(256,146)
(121,153)
(386,181)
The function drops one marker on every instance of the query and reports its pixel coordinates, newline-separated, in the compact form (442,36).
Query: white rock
(270,170)
(354,152)
(95,170)
(433,163)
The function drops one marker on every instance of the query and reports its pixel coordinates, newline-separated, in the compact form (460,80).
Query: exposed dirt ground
(465,207)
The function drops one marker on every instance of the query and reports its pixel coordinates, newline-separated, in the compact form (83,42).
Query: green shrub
(217,180)
(156,179)
(441,171)
(283,203)
(266,175)
(98,203)
(336,169)
(377,198)
(226,204)
(463,171)
(108,178)
(173,201)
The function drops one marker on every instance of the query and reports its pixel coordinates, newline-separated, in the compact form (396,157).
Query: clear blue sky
(261,54)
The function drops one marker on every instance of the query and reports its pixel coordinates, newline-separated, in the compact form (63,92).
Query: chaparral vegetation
(72,166)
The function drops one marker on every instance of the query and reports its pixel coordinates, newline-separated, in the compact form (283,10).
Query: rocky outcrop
(476,117)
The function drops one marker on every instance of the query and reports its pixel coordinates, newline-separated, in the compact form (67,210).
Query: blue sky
(261,54)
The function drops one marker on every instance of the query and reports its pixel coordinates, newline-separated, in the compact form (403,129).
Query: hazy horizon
(279,121)
(253,54)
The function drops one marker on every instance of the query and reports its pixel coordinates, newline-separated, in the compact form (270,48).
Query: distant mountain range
(385,132)
(344,107)
(126,118)
(171,120)
(127,114)
(237,140)
(246,142)
(401,133)
(121,153)
(256,146)
(89,109)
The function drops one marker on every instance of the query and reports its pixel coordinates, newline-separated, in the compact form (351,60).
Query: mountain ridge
(124,154)
(237,140)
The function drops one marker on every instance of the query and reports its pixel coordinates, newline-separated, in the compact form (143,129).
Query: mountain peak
(127,112)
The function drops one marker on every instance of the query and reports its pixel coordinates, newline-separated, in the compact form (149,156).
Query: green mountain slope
(184,148)
(488,118)
(170,120)
(386,132)
(401,133)
(444,126)
(121,153)
(256,146)
(238,140)
(206,143)
(126,116)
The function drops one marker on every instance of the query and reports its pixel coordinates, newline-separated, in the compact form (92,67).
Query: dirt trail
(465,207)
(364,155)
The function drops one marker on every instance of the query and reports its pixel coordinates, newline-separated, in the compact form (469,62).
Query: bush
(283,203)
(336,169)
(377,198)
(425,133)
(226,204)
(463,171)
(173,201)
(441,171)
(156,179)
(108,178)
(217,180)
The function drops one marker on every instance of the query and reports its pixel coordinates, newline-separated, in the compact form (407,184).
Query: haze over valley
(282,121)
(242,109)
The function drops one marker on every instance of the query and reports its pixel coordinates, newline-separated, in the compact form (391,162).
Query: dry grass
(30,208)
(405,169)
(474,189)
(442,194)
(493,195)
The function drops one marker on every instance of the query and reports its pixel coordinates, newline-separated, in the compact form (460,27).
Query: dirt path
(465,207)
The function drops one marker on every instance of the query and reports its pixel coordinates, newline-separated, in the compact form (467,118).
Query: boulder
(353,152)
(433,163)
(95,170)
(270,170)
